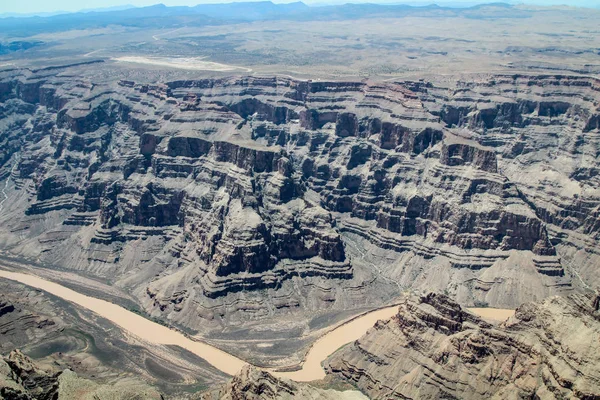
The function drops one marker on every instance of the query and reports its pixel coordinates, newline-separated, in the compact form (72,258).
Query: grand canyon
(274,201)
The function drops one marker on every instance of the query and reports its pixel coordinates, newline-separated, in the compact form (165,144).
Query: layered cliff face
(20,326)
(435,349)
(201,195)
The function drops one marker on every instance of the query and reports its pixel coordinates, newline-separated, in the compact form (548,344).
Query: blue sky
(38,6)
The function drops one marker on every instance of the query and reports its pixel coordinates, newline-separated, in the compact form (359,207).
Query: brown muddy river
(159,334)
(494,314)
(133,323)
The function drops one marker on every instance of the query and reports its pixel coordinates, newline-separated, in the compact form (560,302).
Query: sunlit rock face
(210,197)
(435,349)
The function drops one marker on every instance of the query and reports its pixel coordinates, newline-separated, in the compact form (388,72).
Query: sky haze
(45,6)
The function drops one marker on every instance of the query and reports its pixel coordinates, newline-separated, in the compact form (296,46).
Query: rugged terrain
(431,349)
(59,335)
(253,176)
(218,197)
(334,42)
(252,383)
(434,349)
(22,379)
(220,201)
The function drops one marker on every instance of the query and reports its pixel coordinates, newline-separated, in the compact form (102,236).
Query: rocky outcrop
(21,379)
(435,349)
(460,154)
(254,384)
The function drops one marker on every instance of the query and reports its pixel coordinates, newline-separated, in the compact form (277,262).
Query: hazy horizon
(42,6)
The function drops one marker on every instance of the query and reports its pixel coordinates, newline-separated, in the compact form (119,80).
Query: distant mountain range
(211,14)
(221,9)
(225,13)
(53,13)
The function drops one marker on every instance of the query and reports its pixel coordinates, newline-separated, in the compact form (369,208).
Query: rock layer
(198,195)
(434,349)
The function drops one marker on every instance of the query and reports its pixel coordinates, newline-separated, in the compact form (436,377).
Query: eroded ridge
(435,349)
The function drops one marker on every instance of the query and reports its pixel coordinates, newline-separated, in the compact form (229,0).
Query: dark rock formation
(461,154)
(20,326)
